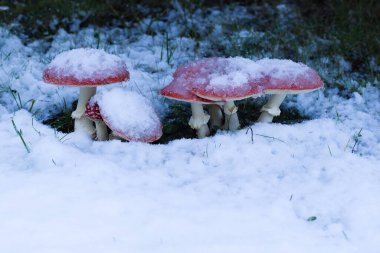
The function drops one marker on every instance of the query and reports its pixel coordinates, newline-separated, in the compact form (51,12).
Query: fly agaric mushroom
(129,115)
(86,68)
(285,77)
(178,90)
(93,113)
(226,80)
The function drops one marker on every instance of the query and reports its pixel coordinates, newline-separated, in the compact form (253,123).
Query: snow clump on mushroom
(86,64)
(129,114)
(234,72)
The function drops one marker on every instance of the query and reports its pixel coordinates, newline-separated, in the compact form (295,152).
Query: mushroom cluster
(129,116)
(215,83)
(85,68)
(221,81)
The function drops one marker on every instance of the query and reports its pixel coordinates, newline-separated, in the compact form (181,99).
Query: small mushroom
(93,113)
(178,89)
(285,77)
(129,115)
(86,68)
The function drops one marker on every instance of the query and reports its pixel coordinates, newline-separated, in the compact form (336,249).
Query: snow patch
(128,113)
(86,63)
(282,68)
(233,72)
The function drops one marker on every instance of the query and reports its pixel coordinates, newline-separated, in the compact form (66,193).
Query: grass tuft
(19,133)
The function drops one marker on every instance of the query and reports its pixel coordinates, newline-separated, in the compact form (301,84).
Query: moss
(175,123)
(61,122)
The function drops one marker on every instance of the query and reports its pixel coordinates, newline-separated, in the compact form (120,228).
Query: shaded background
(352,26)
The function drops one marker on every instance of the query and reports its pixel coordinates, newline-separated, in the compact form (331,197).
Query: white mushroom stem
(216,115)
(199,120)
(83,123)
(271,108)
(101,130)
(231,117)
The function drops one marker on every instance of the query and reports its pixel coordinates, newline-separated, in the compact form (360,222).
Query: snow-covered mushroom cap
(85,67)
(129,115)
(286,76)
(178,89)
(223,79)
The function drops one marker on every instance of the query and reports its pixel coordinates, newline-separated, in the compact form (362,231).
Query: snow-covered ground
(308,187)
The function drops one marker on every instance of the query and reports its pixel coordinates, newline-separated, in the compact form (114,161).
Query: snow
(219,194)
(86,63)
(236,72)
(128,114)
(249,190)
(282,68)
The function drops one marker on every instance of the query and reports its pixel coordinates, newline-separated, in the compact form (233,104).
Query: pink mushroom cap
(178,91)
(85,67)
(286,76)
(93,111)
(221,79)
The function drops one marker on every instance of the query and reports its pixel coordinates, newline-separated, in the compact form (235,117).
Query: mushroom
(178,90)
(86,68)
(93,113)
(285,77)
(226,80)
(129,115)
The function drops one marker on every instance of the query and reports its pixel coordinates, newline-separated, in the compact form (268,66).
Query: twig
(271,137)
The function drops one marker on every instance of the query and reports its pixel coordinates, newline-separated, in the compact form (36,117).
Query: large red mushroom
(178,89)
(224,80)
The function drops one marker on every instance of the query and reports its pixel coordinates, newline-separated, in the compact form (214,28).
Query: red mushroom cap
(220,79)
(85,67)
(179,88)
(92,111)
(178,91)
(286,76)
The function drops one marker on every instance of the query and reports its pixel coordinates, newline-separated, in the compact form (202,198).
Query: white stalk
(101,130)
(271,108)
(199,120)
(231,121)
(216,115)
(83,123)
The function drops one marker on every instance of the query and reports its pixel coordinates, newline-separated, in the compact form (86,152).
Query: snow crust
(219,194)
(288,75)
(129,114)
(282,68)
(235,72)
(86,63)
